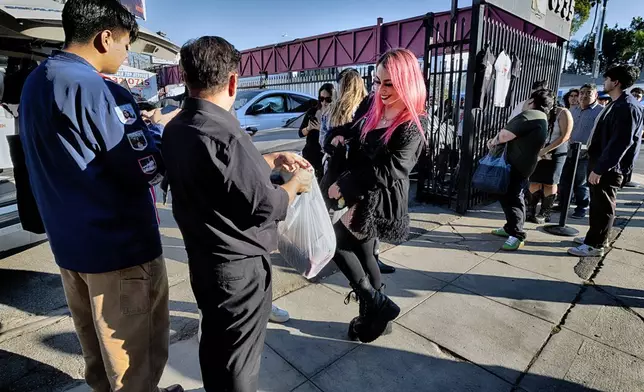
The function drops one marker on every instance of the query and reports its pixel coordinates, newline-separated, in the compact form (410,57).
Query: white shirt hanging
(503,67)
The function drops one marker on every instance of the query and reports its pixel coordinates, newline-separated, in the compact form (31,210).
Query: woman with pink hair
(384,146)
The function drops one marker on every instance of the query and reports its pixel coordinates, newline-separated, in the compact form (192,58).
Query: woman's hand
(334,191)
(337,140)
(543,152)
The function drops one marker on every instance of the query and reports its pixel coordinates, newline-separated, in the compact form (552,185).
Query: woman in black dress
(545,179)
(384,146)
(310,128)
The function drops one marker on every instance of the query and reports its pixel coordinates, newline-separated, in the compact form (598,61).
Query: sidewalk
(473,318)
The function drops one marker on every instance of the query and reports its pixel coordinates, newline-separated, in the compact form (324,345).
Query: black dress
(377,182)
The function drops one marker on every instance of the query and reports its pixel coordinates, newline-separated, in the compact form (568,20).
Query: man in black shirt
(611,152)
(227,210)
(523,137)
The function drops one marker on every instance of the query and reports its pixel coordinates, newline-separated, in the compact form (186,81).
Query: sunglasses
(325,99)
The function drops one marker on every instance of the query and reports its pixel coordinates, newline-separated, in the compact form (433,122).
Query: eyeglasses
(325,99)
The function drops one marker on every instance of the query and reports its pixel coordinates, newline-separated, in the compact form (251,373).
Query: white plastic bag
(306,237)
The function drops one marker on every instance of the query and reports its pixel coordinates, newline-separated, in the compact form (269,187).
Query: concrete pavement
(473,318)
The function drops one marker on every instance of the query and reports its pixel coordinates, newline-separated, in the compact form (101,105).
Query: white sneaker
(279,315)
(586,251)
(579,240)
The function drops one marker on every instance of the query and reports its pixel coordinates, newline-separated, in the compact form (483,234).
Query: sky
(252,23)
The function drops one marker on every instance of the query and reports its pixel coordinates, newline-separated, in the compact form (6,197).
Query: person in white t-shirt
(520,107)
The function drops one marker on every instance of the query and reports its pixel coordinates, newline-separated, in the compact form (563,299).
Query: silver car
(259,110)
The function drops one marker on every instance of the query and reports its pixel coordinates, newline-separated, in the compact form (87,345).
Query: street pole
(599,40)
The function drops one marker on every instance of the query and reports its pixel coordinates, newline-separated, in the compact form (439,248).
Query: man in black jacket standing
(227,210)
(611,153)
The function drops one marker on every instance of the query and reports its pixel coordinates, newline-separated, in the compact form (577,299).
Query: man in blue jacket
(92,161)
(611,153)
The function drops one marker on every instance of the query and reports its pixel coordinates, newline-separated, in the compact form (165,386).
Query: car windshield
(243,97)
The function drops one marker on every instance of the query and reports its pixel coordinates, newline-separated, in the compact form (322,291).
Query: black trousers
(235,301)
(603,199)
(356,258)
(514,206)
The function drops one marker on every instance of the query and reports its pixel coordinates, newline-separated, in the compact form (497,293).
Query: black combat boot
(546,208)
(376,311)
(531,201)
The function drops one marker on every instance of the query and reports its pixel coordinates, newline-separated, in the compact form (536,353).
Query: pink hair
(407,79)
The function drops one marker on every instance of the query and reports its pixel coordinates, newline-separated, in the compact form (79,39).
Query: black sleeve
(350,130)
(127,147)
(247,178)
(403,151)
(346,131)
(306,120)
(626,122)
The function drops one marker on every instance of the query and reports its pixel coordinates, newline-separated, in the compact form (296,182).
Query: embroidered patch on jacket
(137,140)
(148,164)
(126,114)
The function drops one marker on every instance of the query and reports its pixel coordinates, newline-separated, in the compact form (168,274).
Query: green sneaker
(500,233)
(513,244)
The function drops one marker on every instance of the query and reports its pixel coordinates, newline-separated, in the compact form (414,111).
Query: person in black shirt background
(523,137)
(310,128)
(611,152)
(227,210)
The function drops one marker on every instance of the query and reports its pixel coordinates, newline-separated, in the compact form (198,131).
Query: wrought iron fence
(460,129)
(541,60)
(446,74)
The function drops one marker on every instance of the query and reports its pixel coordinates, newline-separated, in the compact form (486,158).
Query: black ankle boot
(376,311)
(531,201)
(546,208)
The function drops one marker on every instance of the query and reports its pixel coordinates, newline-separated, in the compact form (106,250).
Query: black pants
(603,198)
(356,258)
(578,183)
(514,206)
(235,301)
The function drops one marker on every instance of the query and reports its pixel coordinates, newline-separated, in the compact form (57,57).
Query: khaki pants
(122,321)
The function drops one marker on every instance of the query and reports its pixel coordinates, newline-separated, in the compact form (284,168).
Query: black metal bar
(469,130)
(424,164)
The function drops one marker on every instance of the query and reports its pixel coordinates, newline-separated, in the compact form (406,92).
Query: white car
(258,110)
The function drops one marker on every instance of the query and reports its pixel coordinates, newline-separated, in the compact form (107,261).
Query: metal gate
(444,67)
(460,129)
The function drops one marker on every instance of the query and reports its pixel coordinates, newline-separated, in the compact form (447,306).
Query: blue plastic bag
(493,174)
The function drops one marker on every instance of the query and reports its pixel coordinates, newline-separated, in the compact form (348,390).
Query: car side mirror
(251,131)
